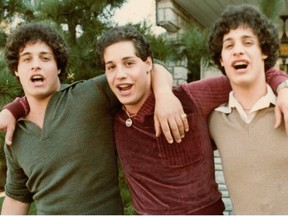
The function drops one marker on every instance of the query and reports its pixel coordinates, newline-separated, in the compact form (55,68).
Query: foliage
(195,42)
(9,85)
(193,45)
(125,195)
(272,8)
(2,39)
(81,21)
(162,49)
(9,89)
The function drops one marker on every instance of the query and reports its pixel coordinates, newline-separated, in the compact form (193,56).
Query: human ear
(149,63)
(264,56)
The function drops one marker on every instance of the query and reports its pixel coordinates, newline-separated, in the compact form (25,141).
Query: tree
(193,45)
(81,22)
(272,8)
(162,49)
(9,89)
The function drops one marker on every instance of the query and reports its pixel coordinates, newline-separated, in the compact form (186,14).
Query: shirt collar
(262,103)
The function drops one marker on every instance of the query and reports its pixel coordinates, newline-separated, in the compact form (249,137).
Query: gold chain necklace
(129,121)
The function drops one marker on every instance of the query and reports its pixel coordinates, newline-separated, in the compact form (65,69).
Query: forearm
(162,81)
(275,79)
(14,207)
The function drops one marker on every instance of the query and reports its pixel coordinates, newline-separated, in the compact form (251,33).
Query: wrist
(282,85)
(8,112)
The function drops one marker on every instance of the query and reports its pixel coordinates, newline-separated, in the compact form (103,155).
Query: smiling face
(242,57)
(37,71)
(128,76)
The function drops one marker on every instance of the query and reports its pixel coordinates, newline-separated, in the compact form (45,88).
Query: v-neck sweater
(254,158)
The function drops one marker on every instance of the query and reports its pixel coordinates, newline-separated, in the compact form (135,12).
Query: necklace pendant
(128,122)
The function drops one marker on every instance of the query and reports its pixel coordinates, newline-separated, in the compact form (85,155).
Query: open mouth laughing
(37,79)
(240,65)
(124,87)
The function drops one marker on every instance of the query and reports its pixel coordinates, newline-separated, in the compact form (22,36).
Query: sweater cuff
(18,108)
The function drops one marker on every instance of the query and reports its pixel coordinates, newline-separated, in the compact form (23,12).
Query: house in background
(177,15)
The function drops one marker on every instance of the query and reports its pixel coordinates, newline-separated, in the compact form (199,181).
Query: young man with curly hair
(244,44)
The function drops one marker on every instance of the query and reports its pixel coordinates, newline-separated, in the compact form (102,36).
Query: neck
(133,107)
(131,110)
(37,110)
(247,96)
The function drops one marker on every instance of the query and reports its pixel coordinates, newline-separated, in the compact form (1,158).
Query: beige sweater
(255,161)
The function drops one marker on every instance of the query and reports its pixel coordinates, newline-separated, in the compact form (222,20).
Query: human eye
(25,59)
(248,42)
(109,68)
(228,45)
(46,58)
(129,63)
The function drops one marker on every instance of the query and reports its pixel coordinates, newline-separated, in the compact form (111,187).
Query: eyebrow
(242,37)
(29,53)
(125,58)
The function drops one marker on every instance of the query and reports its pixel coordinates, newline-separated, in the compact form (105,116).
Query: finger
(167,133)
(185,122)
(278,117)
(157,126)
(9,135)
(180,125)
(286,122)
(175,131)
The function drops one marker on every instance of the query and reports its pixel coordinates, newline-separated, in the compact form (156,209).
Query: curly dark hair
(123,33)
(248,16)
(34,32)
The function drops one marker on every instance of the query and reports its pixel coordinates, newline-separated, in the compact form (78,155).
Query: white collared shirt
(263,102)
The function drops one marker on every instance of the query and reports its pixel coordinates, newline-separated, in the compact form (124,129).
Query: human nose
(120,73)
(238,49)
(35,64)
